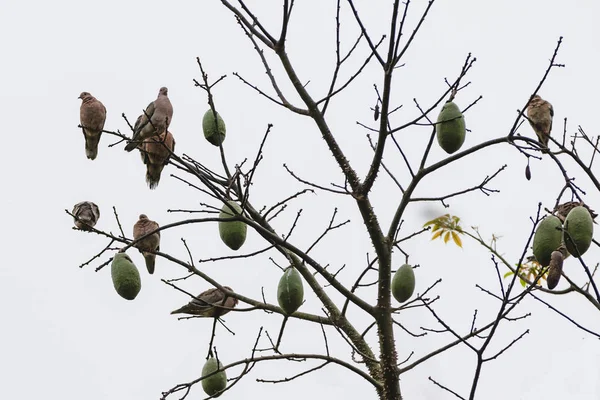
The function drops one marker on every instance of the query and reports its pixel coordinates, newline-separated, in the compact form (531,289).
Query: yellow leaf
(437,234)
(456,239)
(446,237)
(523,283)
(530,276)
(433,221)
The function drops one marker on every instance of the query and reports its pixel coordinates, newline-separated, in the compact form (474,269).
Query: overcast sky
(67,334)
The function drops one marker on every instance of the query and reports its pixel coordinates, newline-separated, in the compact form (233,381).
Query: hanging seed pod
(233,233)
(290,291)
(547,238)
(555,269)
(450,128)
(216,382)
(579,231)
(214,131)
(125,276)
(403,283)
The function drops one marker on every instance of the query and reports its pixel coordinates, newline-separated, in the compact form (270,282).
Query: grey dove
(92,115)
(156,152)
(151,243)
(210,303)
(86,215)
(160,112)
(540,113)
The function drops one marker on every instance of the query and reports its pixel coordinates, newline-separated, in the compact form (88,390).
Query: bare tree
(372,350)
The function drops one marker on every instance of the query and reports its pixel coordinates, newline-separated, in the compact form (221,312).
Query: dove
(156,152)
(539,114)
(86,215)
(210,303)
(151,243)
(92,115)
(562,210)
(160,112)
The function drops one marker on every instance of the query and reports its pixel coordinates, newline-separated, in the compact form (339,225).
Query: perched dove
(156,152)
(562,210)
(160,112)
(540,113)
(210,303)
(92,115)
(87,214)
(151,243)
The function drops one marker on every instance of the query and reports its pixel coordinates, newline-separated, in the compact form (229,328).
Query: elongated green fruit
(547,238)
(290,292)
(213,132)
(233,233)
(579,230)
(125,276)
(451,129)
(214,383)
(403,283)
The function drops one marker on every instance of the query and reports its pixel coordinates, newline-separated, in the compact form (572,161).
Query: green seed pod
(547,238)
(233,233)
(213,132)
(451,129)
(125,276)
(579,230)
(403,283)
(290,292)
(214,383)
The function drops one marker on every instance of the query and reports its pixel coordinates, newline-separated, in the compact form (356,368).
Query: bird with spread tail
(92,115)
(86,214)
(150,243)
(539,114)
(154,121)
(210,303)
(156,152)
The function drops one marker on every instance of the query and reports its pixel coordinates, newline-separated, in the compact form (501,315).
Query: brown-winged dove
(92,115)
(151,243)
(86,215)
(540,113)
(156,152)
(160,112)
(562,210)
(210,303)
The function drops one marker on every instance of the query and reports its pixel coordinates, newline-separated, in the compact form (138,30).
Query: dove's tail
(178,311)
(91,145)
(153,172)
(150,262)
(132,145)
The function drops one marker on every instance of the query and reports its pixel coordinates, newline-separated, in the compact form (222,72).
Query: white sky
(67,334)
